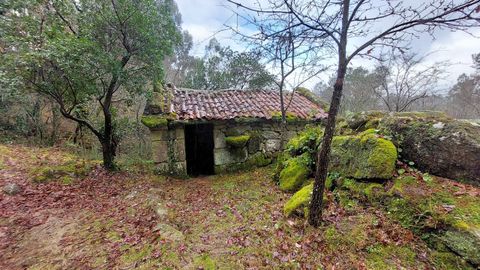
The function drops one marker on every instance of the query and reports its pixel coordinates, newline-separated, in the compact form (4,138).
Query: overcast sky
(205,19)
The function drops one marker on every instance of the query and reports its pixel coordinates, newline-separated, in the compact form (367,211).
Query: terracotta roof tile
(228,104)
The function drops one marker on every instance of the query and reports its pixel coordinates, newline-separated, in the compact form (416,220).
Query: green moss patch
(290,117)
(204,262)
(436,210)
(365,156)
(384,256)
(65,173)
(237,141)
(295,173)
(299,202)
(156,121)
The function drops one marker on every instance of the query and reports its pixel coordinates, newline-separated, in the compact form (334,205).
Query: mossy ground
(230,221)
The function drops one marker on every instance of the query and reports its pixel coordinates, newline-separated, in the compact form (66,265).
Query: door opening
(199,149)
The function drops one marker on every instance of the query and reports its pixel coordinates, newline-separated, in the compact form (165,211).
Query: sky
(205,19)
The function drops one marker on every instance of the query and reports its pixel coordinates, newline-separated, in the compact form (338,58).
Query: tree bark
(323,156)
(108,150)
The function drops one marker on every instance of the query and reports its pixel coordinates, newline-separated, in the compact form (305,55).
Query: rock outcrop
(434,142)
(363,156)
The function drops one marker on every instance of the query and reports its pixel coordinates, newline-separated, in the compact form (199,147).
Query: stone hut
(198,132)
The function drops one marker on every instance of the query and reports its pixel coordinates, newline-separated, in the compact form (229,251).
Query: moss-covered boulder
(435,142)
(295,173)
(364,156)
(439,145)
(299,202)
(435,209)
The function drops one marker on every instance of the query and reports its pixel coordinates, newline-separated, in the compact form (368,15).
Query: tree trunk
(109,145)
(108,150)
(323,156)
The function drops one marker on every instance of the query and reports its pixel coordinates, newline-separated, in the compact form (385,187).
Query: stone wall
(168,150)
(168,146)
(265,142)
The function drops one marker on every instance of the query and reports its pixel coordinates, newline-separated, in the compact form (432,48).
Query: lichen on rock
(436,143)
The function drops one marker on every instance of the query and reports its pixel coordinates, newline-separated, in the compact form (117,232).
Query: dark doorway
(199,149)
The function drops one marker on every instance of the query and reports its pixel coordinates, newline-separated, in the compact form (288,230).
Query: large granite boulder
(363,156)
(436,143)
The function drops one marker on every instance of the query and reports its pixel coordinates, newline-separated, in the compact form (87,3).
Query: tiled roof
(229,104)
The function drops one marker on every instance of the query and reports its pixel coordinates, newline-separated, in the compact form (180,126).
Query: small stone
(438,125)
(11,189)
(131,195)
(168,232)
(161,211)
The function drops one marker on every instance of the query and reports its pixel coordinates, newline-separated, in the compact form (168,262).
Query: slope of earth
(71,214)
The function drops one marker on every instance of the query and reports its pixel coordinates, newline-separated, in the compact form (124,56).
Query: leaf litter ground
(141,221)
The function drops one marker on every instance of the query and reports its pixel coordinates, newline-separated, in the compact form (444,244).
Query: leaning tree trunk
(323,156)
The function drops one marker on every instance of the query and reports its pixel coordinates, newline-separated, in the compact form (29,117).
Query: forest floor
(71,214)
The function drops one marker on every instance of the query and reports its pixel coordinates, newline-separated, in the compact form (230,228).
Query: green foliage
(85,52)
(295,173)
(223,68)
(305,142)
(237,141)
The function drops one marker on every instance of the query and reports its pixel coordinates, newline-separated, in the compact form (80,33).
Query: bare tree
(367,25)
(406,80)
(292,58)
(293,62)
